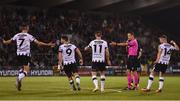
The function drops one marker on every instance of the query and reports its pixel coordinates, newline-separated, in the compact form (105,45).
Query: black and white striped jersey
(23,42)
(68,53)
(98,50)
(166,53)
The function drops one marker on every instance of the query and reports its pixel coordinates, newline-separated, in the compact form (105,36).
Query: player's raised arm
(108,57)
(118,44)
(43,44)
(80,56)
(175,45)
(6,42)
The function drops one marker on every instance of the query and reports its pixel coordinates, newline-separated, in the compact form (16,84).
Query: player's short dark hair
(65,38)
(24,26)
(98,33)
(163,36)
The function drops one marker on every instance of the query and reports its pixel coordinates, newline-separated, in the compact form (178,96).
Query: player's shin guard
(150,81)
(78,81)
(95,81)
(103,78)
(161,82)
(129,80)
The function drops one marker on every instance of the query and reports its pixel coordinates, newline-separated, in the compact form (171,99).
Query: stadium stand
(48,25)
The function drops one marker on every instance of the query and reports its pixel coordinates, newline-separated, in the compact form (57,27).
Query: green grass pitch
(57,88)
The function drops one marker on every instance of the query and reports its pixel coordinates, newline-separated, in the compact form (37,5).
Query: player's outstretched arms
(44,44)
(175,45)
(6,42)
(80,56)
(118,44)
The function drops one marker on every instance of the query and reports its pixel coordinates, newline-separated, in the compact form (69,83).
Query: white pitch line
(115,90)
(119,91)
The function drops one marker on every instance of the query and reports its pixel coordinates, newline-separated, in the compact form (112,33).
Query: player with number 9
(67,61)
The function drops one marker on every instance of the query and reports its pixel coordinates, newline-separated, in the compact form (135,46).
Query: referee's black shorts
(132,63)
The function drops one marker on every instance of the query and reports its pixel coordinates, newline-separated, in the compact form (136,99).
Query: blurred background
(79,19)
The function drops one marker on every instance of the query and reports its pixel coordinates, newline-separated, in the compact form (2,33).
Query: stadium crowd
(48,25)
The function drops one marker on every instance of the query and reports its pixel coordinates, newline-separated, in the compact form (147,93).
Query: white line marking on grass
(115,90)
(119,91)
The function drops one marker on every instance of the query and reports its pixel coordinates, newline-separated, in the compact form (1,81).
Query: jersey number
(95,48)
(68,51)
(22,41)
(166,52)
